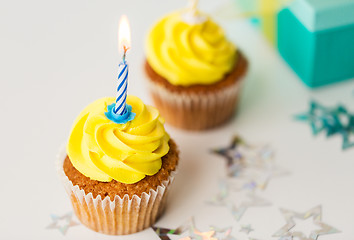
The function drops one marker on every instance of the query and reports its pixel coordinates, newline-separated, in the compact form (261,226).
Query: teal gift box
(316,38)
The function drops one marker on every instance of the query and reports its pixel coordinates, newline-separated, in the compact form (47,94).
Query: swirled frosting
(186,54)
(103,150)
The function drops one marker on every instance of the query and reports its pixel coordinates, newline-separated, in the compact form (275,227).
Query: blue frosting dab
(120,119)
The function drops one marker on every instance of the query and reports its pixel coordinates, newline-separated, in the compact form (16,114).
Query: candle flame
(123,34)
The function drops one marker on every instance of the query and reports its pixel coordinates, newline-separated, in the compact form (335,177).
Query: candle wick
(125,52)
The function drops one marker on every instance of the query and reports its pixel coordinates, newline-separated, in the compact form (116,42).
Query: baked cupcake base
(116,208)
(197,107)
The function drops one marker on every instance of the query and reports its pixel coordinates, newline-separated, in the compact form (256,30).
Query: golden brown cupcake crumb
(113,188)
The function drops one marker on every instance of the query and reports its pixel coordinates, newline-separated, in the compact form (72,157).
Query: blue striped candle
(120,112)
(122,85)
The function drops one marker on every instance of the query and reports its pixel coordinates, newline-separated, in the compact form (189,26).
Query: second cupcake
(194,72)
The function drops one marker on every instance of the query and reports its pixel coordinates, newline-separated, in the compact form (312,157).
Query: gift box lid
(317,15)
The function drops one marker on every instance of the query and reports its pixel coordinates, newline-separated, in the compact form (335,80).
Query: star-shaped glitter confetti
(252,201)
(164,232)
(194,233)
(253,166)
(62,223)
(346,140)
(232,156)
(209,235)
(314,116)
(315,213)
(223,233)
(248,200)
(254,178)
(189,226)
(246,229)
(333,121)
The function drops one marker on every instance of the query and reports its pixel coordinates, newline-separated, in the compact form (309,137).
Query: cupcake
(194,73)
(117,175)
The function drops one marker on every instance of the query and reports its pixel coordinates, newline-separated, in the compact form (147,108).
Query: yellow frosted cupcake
(194,71)
(117,175)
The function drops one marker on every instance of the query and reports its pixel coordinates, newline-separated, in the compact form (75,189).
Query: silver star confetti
(197,235)
(315,213)
(232,155)
(252,165)
(194,233)
(254,201)
(223,233)
(253,178)
(164,232)
(62,223)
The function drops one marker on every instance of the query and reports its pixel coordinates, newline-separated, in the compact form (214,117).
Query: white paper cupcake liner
(120,216)
(193,110)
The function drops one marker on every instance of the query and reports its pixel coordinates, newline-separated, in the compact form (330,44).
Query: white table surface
(58,56)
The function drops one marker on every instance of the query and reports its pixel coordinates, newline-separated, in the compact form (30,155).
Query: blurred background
(58,56)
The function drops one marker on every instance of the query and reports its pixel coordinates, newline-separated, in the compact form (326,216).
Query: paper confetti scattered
(62,223)
(223,233)
(252,201)
(232,156)
(204,235)
(252,166)
(164,232)
(316,213)
(332,121)
(248,200)
(214,233)
(249,168)
(346,139)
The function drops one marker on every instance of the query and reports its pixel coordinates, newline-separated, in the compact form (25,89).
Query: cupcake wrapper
(196,111)
(120,216)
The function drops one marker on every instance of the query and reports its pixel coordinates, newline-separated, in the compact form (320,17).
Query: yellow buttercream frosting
(103,150)
(189,53)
